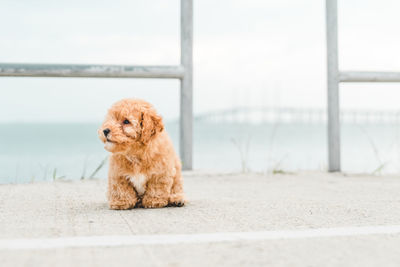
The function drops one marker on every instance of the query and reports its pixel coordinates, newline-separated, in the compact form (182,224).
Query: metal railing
(184,72)
(335,77)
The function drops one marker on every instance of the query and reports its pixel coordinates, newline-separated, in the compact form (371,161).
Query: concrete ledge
(217,203)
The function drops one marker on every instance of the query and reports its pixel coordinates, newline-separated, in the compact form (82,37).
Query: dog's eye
(126,121)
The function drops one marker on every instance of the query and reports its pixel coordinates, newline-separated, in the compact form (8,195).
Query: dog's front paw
(121,205)
(153,202)
(176,200)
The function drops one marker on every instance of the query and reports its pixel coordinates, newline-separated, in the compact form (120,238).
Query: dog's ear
(151,124)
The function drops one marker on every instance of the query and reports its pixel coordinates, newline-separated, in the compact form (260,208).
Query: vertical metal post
(333,87)
(186,112)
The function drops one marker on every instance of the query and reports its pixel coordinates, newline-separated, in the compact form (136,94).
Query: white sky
(246,52)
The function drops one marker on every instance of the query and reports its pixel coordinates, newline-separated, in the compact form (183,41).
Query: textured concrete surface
(217,203)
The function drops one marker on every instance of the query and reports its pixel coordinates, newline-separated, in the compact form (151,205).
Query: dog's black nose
(106,131)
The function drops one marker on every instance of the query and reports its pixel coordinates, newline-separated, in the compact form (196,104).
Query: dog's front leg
(121,195)
(157,192)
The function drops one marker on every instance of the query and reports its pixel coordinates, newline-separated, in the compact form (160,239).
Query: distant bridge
(294,115)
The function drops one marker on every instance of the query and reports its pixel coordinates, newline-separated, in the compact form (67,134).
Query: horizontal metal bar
(369,76)
(90,71)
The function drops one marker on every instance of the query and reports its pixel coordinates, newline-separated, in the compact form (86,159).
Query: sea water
(48,151)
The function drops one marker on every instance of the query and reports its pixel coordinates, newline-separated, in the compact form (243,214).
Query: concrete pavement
(217,203)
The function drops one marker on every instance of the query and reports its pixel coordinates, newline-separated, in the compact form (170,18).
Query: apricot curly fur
(144,169)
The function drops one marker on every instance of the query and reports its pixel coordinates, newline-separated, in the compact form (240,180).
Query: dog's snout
(106,131)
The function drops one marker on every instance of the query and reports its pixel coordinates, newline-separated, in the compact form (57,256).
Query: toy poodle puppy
(144,169)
